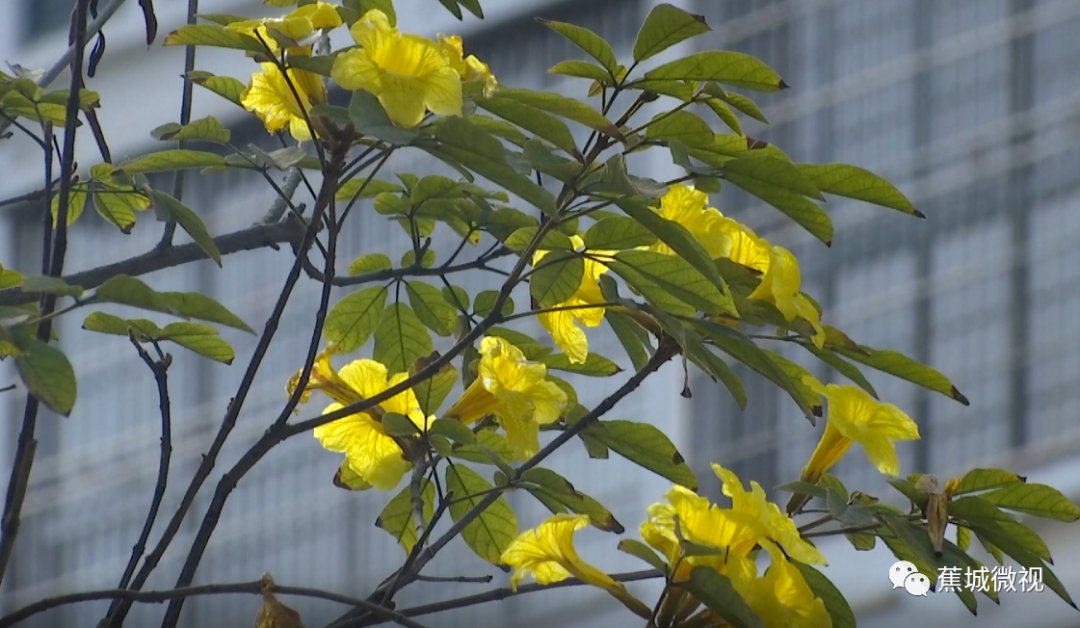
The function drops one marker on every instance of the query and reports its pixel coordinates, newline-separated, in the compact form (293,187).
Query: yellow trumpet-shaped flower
(515,391)
(299,26)
(470,68)
(369,452)
(781,597)
(408,73)
(547,553)
(560,323)
(856,417)
(277,104)
(688,207)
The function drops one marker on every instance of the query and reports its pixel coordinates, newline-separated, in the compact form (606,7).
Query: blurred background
(972,107)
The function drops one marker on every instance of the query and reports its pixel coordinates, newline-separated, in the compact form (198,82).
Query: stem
(160,370)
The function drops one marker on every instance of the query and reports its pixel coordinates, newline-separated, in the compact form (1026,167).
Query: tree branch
(160,371)
(157,597)
(255,237)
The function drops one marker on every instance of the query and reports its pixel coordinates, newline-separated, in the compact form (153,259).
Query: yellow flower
(408,73)
(299,26)
(781,597)
(854,416)
(734,532)
(560,322)
(469,68)
(547,553)
(270,97)
(374,456)
(515,391)
(687,206)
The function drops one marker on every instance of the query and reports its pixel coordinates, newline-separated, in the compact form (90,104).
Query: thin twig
(324,205)
(157,597)
(160,371)
(185,118)
(502,593)
(462,579)
(251,238)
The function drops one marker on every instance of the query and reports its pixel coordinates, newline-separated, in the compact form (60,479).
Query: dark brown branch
(160,371)
(324,206)
(502,593)
(185,118)
(256,237)
(157,597)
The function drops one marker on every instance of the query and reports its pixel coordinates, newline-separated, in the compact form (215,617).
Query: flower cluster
(409,74)
(373,456)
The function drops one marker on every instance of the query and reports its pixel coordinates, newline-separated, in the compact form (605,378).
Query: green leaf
(835,603)
(521,238)
(76,204)
(781,185)
(682,126)
(618,233)
(175,159)
(983,479)
(49,285)
(474,148)
(660,277)
(563,106)
(743,349)
(722,66)
(632,337)
(543,160)
(843,367)
(858,183)
(715,591)
(687,248)
(213,35)
(639,550)
(206,129)
(48,376)
(431,392)
(540,123)
(189,221)
(369,117)
(201,339)
(595,365)
(397,517)
(227,87)
(453,429)
(555,487)
(127,290)
(647,446)
(556,277)
(365,188)
(370,263)
(118,204)
(726,115)
(1039,500)
(485,301)
(352,319)
(664,27)
(400,338)
(581,69)
(491,531)
(109,324)
(431,307)
(594,45)
(899,365)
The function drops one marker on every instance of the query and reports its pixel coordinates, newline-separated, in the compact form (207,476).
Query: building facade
(970,106)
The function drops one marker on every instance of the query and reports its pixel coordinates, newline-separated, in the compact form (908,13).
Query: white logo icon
(916,584)
(900,570)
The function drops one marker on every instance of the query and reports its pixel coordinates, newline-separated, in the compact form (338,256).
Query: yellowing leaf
(664,27)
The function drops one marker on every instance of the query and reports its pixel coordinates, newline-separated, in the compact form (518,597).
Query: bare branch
(157,597)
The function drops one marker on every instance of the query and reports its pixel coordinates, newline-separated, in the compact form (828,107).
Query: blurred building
(970,106)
